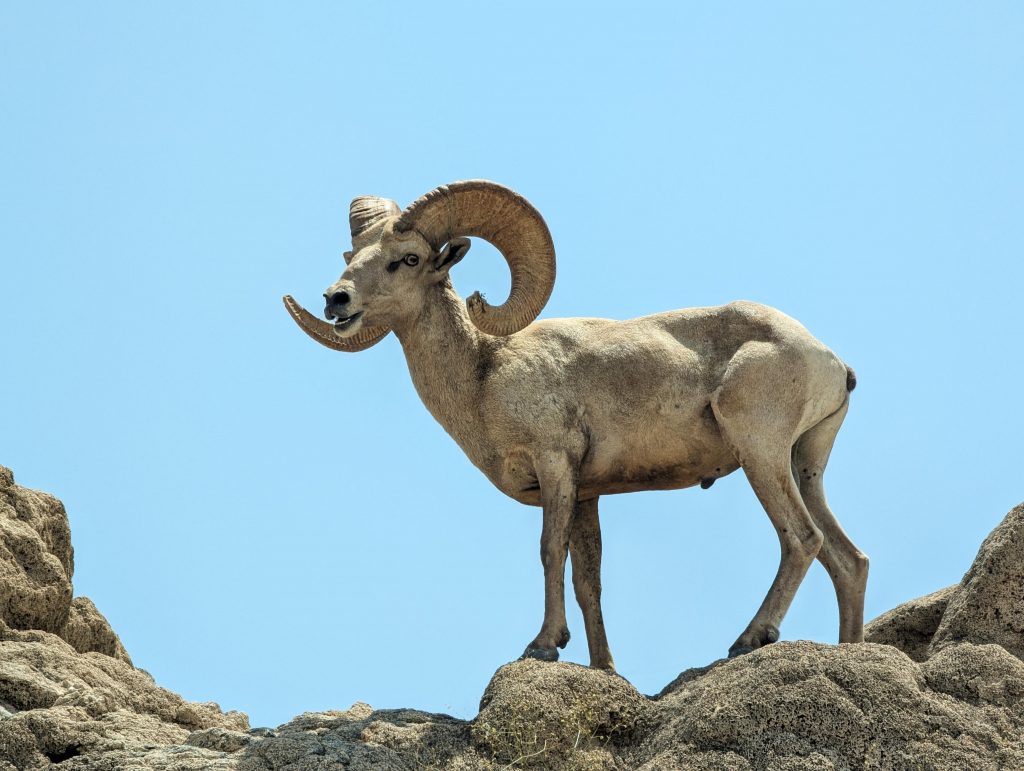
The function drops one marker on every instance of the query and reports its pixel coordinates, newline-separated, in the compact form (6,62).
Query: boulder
(989,606)
(803,705)
(551,714)
(977,674)
(36,558)
(911,626)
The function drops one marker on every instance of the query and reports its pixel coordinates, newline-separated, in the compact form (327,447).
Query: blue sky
(169,171)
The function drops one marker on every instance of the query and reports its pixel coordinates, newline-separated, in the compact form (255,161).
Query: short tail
(851,379)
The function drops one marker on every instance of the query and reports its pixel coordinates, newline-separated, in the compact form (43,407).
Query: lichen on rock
(538,713)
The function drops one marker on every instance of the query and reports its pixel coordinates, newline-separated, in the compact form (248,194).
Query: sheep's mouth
(347,322)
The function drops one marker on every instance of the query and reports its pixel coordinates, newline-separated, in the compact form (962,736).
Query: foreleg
(557,478)
(585,550)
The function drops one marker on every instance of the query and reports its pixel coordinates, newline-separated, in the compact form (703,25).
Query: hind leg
(760,427)
(799,540)
(846,564)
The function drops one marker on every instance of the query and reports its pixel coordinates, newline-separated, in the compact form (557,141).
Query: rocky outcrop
(796,705)
(88,631)
(68,689)
(988,606)
(912,625)
(36,558)
(37,563)
(358,739)
(532,710)
(63,704)
(939,685)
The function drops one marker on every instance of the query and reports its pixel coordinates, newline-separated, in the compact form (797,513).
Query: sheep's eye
(412,260)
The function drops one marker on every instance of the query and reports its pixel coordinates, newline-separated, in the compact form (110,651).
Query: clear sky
(279,527)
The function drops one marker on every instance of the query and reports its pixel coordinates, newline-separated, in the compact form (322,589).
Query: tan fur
(568,410)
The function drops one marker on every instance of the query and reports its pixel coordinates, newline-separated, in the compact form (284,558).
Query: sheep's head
(396,256)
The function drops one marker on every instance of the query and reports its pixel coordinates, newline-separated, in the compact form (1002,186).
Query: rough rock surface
(64,703)
(807,705)
(36,558)
(945,691)
(912,625)
(88,631)
(535,711)
(37,563)
(989,605)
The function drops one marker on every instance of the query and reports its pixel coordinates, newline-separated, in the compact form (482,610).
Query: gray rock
(911,626)
(157,758)
(989,606)
(688,759)
(220,739)
(361,739)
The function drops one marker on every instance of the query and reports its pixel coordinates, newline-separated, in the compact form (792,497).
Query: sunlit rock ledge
(938,685)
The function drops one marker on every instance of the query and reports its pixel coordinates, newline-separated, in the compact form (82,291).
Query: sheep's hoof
(748,642)
(739,650)
(541,654)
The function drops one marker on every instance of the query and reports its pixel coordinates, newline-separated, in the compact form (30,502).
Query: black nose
(335,302)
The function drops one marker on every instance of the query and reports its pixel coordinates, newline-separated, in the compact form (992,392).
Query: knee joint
(552,556)
(861,563)
(813,541)
(806,544)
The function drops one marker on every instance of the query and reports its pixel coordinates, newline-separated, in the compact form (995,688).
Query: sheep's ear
(452,252)
(348,257)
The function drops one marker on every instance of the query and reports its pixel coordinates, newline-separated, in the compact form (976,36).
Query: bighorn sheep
(561,411)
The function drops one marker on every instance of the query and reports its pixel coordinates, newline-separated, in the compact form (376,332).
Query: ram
(559,412)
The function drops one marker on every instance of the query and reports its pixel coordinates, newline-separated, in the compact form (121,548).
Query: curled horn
(508,221)
(324,333)
(364,212)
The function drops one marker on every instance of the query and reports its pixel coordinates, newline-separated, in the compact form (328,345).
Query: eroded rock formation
(939,685)
(36,558)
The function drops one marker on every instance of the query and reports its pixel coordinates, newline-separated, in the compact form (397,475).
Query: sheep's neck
(444,351)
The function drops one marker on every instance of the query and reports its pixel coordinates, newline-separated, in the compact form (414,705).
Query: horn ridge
(323,332)
(507,220)
(365,210)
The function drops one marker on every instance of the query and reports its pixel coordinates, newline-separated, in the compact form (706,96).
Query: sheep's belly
(653,462)
(656,463)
